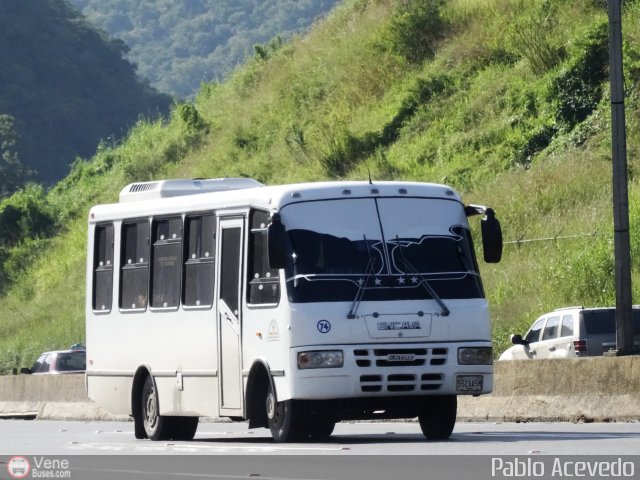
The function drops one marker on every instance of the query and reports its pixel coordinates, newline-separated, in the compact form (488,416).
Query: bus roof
(170,196)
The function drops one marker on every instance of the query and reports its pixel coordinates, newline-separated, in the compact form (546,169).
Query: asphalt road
(356,450)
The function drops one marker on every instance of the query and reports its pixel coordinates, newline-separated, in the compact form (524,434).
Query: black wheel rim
(150,407)
(275,411)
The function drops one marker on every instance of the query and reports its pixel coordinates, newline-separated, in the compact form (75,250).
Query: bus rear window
(103,268)
(167,262)
(199,261)
(134,276)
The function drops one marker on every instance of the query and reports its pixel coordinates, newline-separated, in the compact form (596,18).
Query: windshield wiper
(423,281)
(368,271)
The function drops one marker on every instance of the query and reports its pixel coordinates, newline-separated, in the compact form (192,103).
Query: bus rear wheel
(283,418)
(156,426)
(438,416)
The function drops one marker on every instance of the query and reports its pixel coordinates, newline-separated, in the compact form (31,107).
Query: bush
(25,218)
(577,90)
(26,214)
(415,29)
(530,36)
(22,256)
(348,150)
(191,118)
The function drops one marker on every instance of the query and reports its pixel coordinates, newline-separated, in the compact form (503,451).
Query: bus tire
(320,429)
(283,418)
(183,428)
(156,426)
(138,428)
(437,416)
(136,406)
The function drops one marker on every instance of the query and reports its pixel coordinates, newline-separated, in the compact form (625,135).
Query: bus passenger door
(229,317)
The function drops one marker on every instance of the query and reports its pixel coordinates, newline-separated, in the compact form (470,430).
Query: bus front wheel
(155,425)
(320,429)
(283,418)
(438,416)
(183,428)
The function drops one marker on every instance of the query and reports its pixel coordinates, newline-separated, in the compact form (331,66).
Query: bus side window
(199,261)
(103,268)
(134,277)
(167,262)
(263,282)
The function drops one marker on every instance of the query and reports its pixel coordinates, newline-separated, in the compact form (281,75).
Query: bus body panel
(112,392)
(382,322)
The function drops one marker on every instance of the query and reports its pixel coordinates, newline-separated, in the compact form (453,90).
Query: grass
(484,102)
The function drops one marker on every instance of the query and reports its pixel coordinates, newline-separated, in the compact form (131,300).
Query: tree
(13,174)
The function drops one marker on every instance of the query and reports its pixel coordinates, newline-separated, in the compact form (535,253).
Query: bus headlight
(320,359)
(475,356)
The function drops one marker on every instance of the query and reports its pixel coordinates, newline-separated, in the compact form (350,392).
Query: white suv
(569,333)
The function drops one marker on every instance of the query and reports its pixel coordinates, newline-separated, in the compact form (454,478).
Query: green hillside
(177,45)
(506,100)
(64,87)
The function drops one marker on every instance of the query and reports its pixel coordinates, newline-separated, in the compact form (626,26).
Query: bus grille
(401,382)
(400,357)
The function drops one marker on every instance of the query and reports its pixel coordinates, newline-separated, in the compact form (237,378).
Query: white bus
(292,307)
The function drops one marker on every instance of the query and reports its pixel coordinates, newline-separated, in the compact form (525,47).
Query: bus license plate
(469,383)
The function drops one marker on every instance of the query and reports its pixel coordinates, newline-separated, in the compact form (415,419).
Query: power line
(523,240)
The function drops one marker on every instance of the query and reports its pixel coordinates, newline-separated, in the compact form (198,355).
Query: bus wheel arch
(259,383)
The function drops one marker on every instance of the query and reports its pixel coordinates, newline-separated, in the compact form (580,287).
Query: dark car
(60,361)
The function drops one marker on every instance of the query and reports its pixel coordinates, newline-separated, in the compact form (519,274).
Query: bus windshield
(388,248)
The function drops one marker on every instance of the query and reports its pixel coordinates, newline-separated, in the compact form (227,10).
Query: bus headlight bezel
(475,356)
(313,359)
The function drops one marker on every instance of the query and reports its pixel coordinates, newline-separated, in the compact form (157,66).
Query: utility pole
(622,246)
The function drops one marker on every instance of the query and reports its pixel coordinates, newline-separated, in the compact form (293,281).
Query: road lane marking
(117,447)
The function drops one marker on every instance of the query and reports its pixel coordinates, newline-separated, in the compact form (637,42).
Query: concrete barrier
(587,389)
(60,397)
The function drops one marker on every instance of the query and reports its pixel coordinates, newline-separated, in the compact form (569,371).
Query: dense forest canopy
(179,44)
(64,88)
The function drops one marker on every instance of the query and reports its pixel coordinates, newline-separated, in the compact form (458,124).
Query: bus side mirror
(491,237)
(277,242)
